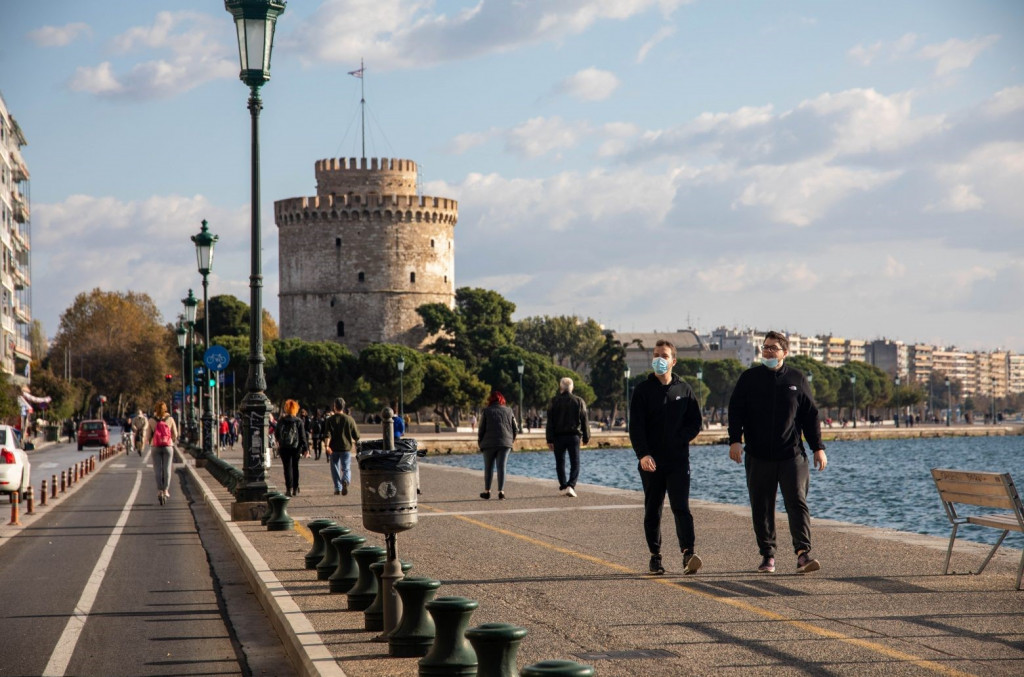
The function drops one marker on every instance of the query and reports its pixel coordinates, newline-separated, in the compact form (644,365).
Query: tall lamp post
(401,387)
(204,241)
(897,399)
(627,398)
(190,302)
(521,368)
(949,402)
(182,335)
(700,390)
(993,400)
(853,391)
(255,21)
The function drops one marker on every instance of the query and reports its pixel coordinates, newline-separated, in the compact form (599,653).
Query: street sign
(216,358)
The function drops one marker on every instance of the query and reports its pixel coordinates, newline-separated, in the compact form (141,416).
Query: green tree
(480,324)
(312,372)
(720,377)
(607,375)
(9,409)
(65,394)
(37,340)
(448,387)
(569,340)
(540,377)
(378,366)
(229,316)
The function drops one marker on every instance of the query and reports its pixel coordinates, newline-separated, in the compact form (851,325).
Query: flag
(358,73)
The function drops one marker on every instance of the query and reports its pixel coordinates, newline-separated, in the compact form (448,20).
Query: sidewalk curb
(301,641)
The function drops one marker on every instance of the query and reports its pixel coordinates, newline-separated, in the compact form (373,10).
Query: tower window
(446,279)
(412,278)
(337,242)
(362,277)
(341,328)
(431,244)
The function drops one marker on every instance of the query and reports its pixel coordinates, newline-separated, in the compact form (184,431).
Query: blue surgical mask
(770,362)
(659,365)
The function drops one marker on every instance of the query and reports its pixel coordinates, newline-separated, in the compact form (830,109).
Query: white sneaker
(570,492)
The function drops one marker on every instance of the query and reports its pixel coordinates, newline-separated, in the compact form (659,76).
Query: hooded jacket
(770,409)
(663,419)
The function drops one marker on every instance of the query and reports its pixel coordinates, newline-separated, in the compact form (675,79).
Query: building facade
(359,257)
(15,241)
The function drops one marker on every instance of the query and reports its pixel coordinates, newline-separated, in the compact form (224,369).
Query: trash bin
(388,486)
(51,433)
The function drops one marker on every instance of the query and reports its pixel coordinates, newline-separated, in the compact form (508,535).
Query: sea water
(877,483)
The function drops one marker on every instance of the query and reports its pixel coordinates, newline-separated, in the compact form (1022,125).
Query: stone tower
(361,255)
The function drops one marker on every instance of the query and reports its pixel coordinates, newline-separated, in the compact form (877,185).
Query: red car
(93,433)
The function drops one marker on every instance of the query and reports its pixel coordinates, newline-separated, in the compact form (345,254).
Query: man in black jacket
(771,407)
(664,417)
(566,430)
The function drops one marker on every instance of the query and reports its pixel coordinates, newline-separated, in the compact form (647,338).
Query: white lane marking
(48,464)
(119,465)
(62,653)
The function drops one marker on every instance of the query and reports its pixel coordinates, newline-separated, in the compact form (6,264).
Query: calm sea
(882,483)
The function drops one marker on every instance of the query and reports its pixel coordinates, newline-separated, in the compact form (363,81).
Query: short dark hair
(339,404)
(780,337)
(668,344)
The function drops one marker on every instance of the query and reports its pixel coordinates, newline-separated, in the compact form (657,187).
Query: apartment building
(921,359)
(892,357)
(808,346)
(743,344)
(1015,373)
(15,257)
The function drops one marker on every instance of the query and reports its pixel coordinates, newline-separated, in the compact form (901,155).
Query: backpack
(289,434)
(162,434)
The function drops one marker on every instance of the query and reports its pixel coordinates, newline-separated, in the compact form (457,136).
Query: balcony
(22,348)
(21,314)
(19,238)
(19,172)
(21,279)
(21,210)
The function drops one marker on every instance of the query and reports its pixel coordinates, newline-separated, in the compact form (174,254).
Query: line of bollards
(68,478)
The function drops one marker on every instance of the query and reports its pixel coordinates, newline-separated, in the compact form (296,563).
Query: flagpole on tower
(362,102)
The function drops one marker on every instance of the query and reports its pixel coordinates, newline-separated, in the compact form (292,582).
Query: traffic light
(213,382)
(168,377)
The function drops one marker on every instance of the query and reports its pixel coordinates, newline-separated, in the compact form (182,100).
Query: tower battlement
(365,175)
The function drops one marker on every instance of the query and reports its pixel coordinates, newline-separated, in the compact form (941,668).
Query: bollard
(281,521)
(373,615)
(270,507)
(496,645)
(63,485)
(415,632)
(53,486)
(346,570)
(326,566)
(42,494)
(316,553)
(29,501)
(450,654)
(15,500)
(557,669)
(362,593)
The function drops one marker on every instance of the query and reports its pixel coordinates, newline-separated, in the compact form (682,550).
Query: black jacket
(663,419)
(769,410)
(567,415)
(497,429)
(287,420)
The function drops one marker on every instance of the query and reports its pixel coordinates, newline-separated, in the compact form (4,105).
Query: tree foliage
(607,375)
(229,316)
(480,323)
(314,373)
(66,396)
(378,366)
(569,340)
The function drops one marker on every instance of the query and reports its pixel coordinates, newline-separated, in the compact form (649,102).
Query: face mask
(659,365)
(770,362)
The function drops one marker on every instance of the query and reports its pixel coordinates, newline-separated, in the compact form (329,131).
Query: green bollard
(326,566)
(362,593)
(373,615)
(281,520)
(496,645)
(316,553)
(346,571)
(270,507)
(415,632)
(558,669)
(450,654)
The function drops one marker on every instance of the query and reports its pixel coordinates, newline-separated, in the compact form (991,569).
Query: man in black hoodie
(664,417)
(771,407)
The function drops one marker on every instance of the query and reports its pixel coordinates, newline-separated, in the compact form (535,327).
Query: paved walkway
(571,571)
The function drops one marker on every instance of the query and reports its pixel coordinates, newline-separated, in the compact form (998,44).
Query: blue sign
(216,358)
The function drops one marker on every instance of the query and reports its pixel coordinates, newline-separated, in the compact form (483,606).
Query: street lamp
(190,302)
(254,22)
(853,390)
(521,368)
(204,241)
(401,387)
(993,400)
(627,398)
(949,402)
(897,398)
(182,335)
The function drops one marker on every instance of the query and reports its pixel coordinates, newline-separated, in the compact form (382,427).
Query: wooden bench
(985,489)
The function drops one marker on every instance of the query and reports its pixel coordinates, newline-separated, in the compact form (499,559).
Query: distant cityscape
(996,373)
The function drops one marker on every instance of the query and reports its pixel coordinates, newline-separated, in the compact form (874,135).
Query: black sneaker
(767,565)
(691,563)
(655,565)
(805,564)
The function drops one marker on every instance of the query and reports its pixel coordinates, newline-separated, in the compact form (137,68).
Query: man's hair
(780,337)
(565,385)
(668,344)
(339,404)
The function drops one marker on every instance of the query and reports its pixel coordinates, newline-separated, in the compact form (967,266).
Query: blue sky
(853,168)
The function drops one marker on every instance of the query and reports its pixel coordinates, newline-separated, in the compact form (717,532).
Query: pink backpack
(162,434)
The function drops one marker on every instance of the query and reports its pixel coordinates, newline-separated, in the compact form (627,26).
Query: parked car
(93,433)
(15,468)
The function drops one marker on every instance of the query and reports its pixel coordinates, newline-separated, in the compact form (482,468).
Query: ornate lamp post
(626,374)
(521,368)
(949,402)
(897,398)
(401,387)
(182,335)
(255,21)
(993,400)
(190,302)
(204,241)
(853,391)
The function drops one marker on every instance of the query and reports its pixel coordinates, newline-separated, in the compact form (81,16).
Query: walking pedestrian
(663,417)
(316,426)
(291,443)
(567,429)
(161,432)
(140,425)
(342,434)
(495,437)
(770,408)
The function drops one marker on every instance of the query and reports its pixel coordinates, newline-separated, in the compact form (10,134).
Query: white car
(15,468)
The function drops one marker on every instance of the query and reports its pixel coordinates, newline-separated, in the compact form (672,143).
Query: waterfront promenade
(571,571)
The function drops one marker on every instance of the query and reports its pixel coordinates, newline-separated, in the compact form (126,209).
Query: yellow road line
(739,604)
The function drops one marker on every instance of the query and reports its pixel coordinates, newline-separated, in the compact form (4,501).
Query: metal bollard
(53,486)
(30,501)
(63,481)
(415,632)
(558,669)
(326,566)
(362,593)
(373,615)
(450,654)
(496,645)
(15,499)
(270,507)
(316,553)
(346,571)
(42,494)
(281,521)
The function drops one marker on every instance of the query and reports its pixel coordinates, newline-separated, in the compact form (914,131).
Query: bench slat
(968,476)
(1000,521)
(971,489)
(973,499)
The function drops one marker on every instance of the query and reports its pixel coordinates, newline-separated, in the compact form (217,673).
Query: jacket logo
(792,387)
(679,397)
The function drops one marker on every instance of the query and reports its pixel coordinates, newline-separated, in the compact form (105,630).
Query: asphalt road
(109,582)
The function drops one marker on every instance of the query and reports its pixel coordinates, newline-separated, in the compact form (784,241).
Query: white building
(15,251)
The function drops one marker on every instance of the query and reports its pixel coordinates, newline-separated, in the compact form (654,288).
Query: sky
(854,169)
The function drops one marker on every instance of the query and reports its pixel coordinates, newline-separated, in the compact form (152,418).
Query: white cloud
(961,198)
(894,268)
(867,54)
(196,56)
(589,84)
(1005,102)
(954,54)
(540,136)
(662,34)
(58,36)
